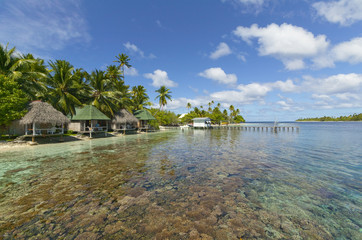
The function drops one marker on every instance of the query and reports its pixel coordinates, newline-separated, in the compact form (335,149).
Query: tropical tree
(12,100)
(103,95)
(164,94)
(63,88)
(122,91)
(139,98)
(81,82)
(25,69)
(210,104)
(217,115)
(188,106)
(123,60)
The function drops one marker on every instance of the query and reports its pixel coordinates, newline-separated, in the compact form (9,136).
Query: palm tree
(25,69)
(123,60)
(122,90)
(139,97)
(231,108)
(188,106)
(63,90)
(104,96)
(164,94)
(34,74)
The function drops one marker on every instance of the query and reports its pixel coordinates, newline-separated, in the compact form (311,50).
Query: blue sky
(272,59)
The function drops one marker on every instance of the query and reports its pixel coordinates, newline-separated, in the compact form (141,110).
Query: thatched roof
(143,114)
(124,117)
(89,112)
(42,112)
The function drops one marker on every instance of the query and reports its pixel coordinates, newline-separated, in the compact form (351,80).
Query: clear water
(192,184)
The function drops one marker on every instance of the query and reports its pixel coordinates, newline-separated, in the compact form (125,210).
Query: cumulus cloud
(245,94)
(134,50)
(130,71)
(218,75)
(341,83)
(178,103)
(42,25)
(287,86)
(288,43)
(333,92)
(160,78)
(221,50)
(344,12)
(350,51)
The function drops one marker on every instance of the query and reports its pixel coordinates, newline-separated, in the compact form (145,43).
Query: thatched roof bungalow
(43,118)
(124,120)
(89,119)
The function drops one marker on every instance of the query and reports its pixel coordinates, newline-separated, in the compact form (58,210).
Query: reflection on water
(195,184)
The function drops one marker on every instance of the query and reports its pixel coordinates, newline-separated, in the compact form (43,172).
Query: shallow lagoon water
(192,184)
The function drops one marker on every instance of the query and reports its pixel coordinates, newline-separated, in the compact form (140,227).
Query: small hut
(89,119)
(202,122)
(124,121)
(43,119)
(143,116)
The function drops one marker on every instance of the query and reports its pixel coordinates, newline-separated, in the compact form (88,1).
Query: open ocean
(191,184)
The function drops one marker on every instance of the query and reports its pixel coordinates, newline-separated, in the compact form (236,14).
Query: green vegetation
(354,117)
(214,114)
(12,100)
(165,118)
(164,94)
(24,78)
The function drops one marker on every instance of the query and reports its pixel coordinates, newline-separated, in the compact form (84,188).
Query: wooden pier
(274,129)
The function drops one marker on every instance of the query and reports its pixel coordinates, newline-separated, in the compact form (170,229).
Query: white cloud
(221,50)
(288,43)
(41,25)
(341,83)
(245,94)
(158,22)
(130,71)
(160,78)
(178,103)
(133,49)
(350,51)
(287,86)
(248,4)
(333,92)
(218,75)
(344,12)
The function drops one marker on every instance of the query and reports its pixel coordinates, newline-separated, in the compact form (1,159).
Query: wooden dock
(269,128)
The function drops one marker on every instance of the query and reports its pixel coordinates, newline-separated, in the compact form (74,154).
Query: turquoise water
(192,184)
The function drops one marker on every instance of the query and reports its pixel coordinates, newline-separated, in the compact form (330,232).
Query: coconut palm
(25,69)
(63,90)
(188,106)
(164,94)
(33,75)
(81,82)
(122,90)
(103,95)
(139,97)
(123,60)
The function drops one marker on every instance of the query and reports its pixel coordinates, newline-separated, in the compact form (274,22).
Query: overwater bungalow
(144,117)
(43,119)
(89,119)
(202,122)
(124,121)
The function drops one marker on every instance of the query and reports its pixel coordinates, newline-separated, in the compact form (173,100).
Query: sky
(273,59)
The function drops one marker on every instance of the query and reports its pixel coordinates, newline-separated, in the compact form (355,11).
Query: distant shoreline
(323,121)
